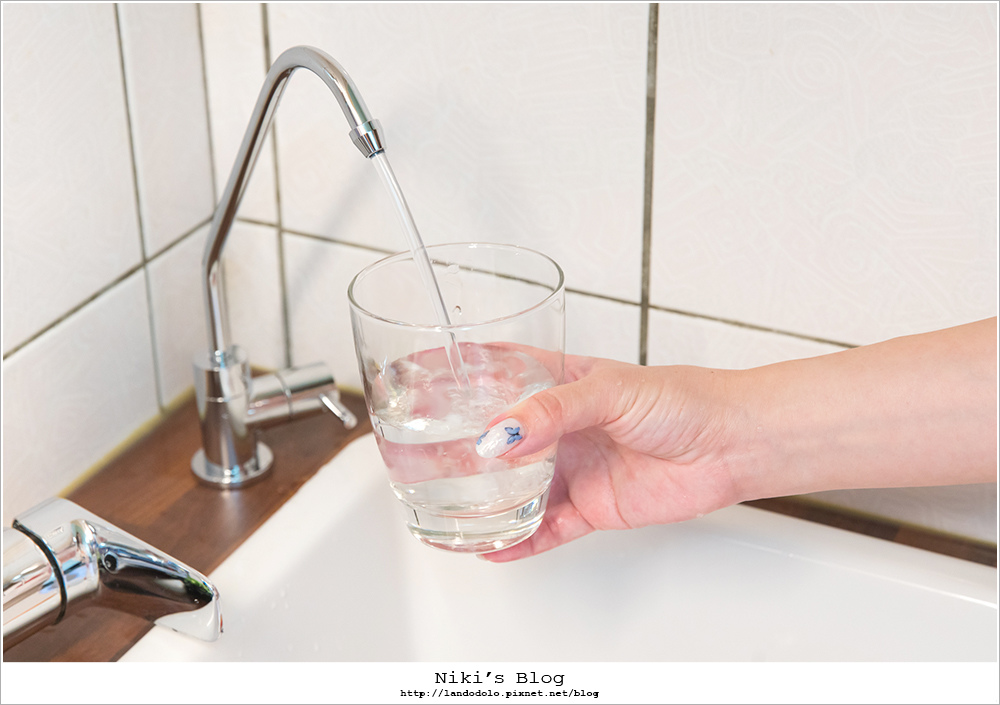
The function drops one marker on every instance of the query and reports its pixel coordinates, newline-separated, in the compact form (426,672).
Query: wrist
(750,446)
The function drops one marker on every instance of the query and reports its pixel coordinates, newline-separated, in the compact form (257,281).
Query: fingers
(540,420)
(562,523)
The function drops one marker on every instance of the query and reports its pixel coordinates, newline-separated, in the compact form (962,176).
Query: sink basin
(335,576)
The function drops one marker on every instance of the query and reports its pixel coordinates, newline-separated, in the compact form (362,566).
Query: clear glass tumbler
(431,389)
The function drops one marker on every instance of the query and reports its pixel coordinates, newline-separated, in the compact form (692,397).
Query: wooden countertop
(150,491)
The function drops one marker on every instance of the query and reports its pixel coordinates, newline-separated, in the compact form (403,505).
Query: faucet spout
(364,133)
(229,409)
(59,557)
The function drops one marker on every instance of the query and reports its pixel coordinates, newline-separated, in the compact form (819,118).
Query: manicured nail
(499,439)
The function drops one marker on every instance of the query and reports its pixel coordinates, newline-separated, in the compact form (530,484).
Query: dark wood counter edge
(149,491)
(898,532)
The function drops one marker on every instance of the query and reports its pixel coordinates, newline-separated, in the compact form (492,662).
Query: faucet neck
(364,134)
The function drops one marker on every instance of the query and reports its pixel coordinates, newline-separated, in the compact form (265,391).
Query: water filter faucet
(231,405)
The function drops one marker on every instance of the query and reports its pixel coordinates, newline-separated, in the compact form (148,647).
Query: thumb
(540,420)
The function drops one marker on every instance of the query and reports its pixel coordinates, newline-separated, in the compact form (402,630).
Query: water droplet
(457,311)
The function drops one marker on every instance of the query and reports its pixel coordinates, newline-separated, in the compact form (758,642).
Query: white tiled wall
(163,78)
(827,169)
(69,219)
(824,175)
(107,173)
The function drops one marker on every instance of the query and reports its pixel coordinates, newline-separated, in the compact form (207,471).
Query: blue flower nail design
(499,439)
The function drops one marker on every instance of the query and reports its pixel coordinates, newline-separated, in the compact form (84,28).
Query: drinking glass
(431,388)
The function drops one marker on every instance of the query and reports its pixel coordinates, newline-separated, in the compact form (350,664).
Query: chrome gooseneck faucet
(231,407)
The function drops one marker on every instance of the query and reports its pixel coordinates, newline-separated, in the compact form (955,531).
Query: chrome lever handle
(296,392)
(338,409)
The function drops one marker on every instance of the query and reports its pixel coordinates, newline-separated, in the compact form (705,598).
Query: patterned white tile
(235,66)
(318,274)
(74,393)
(163,73)
(827,169)
(69,214)
(515,123)
(602,328)
(252,292)
(685,340)
(178,308)
(252,273)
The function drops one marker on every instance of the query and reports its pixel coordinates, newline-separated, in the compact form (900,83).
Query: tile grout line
(647,188)
(751,326)
(73,311)
(590,294)
(286,325)
(179,239)
(331,240)
(103,290)
(158,384)
(208,109)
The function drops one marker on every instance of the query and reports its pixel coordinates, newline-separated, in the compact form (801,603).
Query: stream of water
(423,263)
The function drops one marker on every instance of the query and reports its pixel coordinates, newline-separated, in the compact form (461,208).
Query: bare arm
(653,445)
(912,411)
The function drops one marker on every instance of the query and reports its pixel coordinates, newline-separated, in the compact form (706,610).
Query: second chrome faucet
(232,406)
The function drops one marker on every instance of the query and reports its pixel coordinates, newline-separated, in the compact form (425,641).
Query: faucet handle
(296,392)
(339,409)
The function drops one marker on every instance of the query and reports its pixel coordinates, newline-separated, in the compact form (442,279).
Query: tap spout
(364,133)
(59,557)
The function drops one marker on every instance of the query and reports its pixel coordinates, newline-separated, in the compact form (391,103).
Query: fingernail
(499,439)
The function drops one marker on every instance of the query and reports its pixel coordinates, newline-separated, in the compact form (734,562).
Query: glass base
(476,534)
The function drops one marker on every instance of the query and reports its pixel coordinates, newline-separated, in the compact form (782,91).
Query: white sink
(335,576)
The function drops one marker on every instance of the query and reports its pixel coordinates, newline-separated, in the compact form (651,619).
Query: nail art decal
(499,439)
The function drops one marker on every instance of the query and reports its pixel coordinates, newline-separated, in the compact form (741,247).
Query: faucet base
(234,477)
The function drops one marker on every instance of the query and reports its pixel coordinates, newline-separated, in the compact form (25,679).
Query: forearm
(912,411)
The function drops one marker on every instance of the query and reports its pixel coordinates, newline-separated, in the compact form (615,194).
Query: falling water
(420,258)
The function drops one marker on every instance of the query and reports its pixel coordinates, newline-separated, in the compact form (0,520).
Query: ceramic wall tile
(827,169)
(252,292)
(252,275)
(76,392)
(504,122)
(602,328)
(69,212)
(235,66)
(178,305)
(676,339)
(318,274)
(166,94)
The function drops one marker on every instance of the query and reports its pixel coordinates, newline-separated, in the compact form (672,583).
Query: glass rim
(408,255)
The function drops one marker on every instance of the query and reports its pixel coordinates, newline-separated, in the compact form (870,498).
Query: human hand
(637,446)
